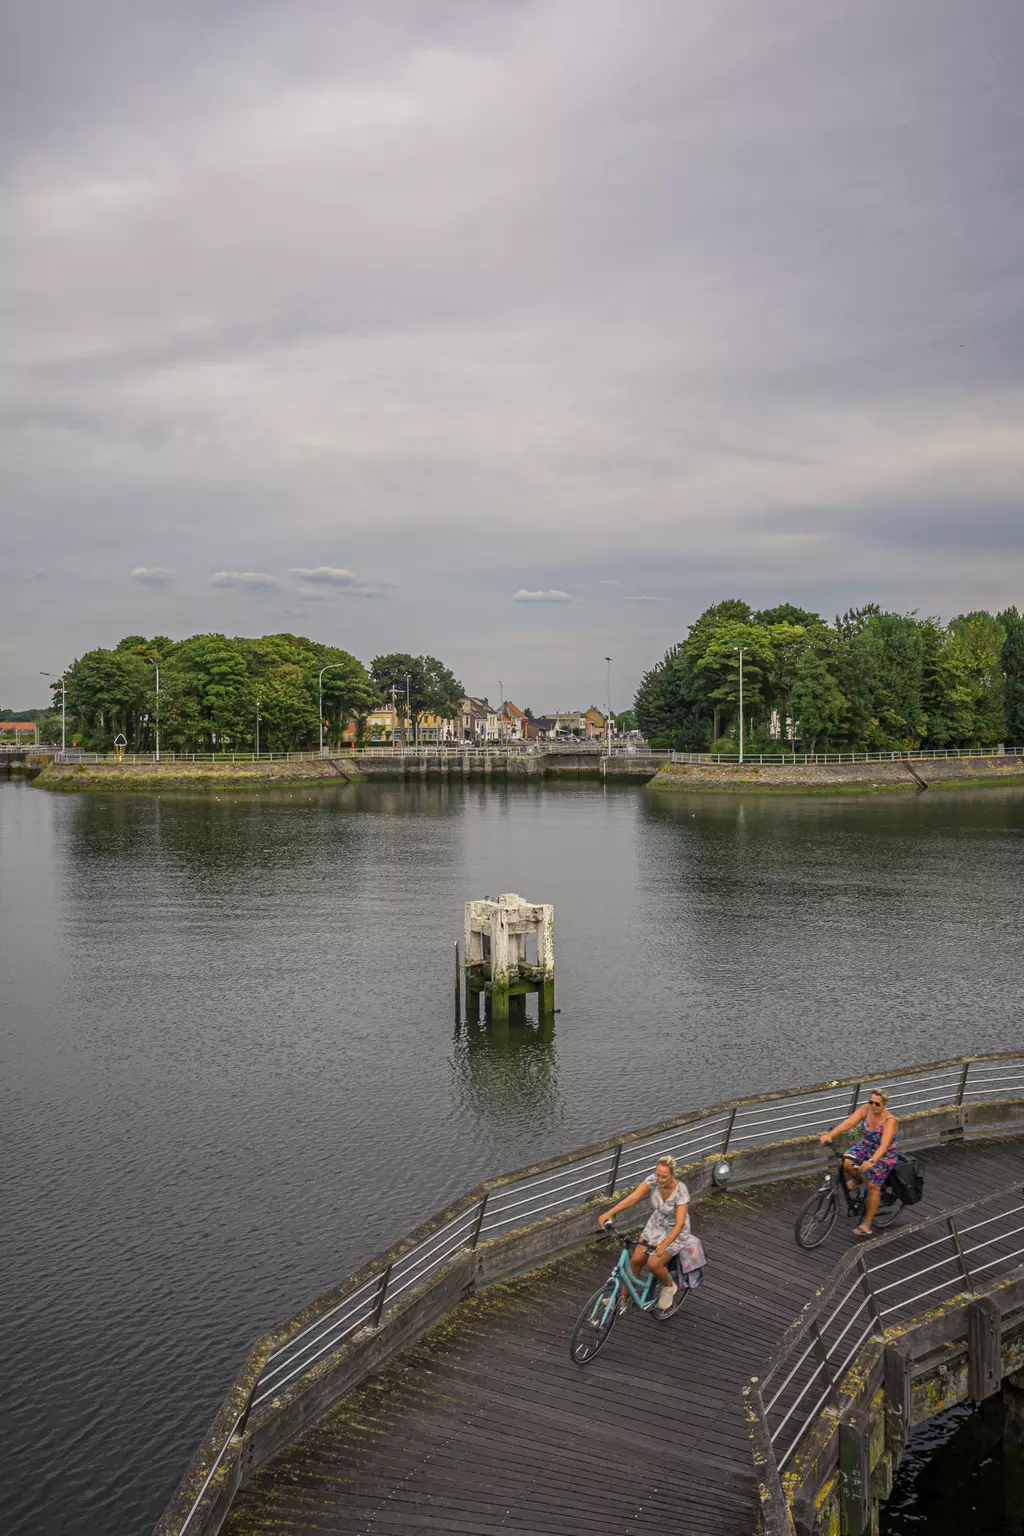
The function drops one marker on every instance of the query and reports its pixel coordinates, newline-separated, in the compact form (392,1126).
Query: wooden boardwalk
(488,1427)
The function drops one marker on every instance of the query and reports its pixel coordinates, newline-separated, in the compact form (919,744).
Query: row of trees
(210,686)
(872,681)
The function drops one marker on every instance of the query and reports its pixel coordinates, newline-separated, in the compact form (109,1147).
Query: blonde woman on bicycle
(666,1231)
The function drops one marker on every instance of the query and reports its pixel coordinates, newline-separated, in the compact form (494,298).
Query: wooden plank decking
(488,1426)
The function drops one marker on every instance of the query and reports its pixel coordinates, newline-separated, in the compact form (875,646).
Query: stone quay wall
(894,774)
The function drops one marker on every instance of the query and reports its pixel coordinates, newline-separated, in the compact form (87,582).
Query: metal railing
(552,1189)
(845,757)
(920,1267)
(454,749)
(503,1205)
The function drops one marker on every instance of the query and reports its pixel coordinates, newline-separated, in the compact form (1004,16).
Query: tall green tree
(1012,666)
(815,700)
(419,685)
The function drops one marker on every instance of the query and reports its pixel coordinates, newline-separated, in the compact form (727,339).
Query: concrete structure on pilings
(497,961)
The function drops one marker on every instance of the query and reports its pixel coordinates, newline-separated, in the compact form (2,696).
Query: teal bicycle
(597,1319)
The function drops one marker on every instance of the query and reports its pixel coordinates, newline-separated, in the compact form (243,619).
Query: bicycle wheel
(816,1218)
(595,1323)
(887,1215)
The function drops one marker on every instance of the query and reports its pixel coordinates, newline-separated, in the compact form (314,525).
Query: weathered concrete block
(855,1472)
(984,1348)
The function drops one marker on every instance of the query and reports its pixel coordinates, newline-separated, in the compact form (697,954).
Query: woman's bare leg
(871,1204)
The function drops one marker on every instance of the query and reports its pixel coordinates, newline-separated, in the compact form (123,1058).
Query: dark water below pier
(230,1069)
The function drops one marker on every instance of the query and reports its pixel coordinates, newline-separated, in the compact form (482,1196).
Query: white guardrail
(915,756)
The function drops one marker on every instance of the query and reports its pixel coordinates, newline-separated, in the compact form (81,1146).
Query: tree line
(871,681)
(210,686)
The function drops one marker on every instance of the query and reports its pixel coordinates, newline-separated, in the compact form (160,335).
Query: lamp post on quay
(608,659)
(741,648)
(320,696)
(154,664)
(63,707)
(257,730)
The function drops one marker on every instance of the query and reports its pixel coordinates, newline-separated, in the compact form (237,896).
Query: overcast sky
(514,332)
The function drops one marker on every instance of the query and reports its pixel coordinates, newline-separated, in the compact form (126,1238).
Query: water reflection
(506,1072)
(963,1471)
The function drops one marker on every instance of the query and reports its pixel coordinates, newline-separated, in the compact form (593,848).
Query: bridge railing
(918,1267)
(521,1219)
(453,749)
(916,755)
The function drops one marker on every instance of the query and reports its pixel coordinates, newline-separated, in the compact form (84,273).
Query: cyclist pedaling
(871,1159)
(667,1233)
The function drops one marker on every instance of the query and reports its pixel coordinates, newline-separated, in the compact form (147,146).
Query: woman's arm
(888,1132)
(624,1204)
(845,1125)
(662,1249)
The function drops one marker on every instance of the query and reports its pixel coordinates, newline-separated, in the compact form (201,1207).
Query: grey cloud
(552,595)
(338,581)
(152,575)
(639,597)
(249,581)
(720,298)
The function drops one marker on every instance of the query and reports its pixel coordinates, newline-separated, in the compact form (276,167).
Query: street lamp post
(257,730)
(408,717)
(154,664)
(740,648)
(63,708)
(608,722)
(320,696)
(501,712)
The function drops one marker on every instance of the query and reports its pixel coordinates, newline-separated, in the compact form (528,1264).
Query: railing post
(873,1308)
(728,1129)
(960,1255)
(615,1171)
(379,1304)
(479,1220)
(243,1421)
(963,1083)
(821,1355)
(853,1101)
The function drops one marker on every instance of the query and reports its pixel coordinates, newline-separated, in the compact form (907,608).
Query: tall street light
(63,707)
(257,730)
(320,696)
(154,664)
(608,659)
(408,715)
(501,712)
(741,648)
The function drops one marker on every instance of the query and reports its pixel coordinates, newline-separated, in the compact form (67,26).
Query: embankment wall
(345,769)
(198,775)
(896,774)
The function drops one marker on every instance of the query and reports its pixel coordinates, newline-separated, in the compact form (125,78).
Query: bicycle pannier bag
(907,1180)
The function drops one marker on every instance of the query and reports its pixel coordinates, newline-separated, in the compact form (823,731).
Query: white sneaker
(668,1296)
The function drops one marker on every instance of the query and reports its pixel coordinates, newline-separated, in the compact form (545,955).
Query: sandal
(862,1232)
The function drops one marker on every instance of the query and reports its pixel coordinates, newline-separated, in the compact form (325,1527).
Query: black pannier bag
(906,1180)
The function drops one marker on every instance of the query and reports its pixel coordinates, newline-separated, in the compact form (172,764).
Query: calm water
(230,1069)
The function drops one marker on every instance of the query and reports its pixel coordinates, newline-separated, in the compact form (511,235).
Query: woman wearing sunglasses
(873,1157)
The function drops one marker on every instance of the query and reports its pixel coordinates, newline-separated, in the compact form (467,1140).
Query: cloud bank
(721,299)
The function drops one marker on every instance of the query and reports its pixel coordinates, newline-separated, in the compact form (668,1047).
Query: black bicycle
(817,1215)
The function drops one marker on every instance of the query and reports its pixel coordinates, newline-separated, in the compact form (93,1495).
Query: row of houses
(477,722)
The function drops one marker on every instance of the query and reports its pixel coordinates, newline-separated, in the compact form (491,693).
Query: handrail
(824,1338)
(519,1200)
(917,754)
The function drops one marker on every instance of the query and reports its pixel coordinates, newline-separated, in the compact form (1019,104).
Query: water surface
(230,1068)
